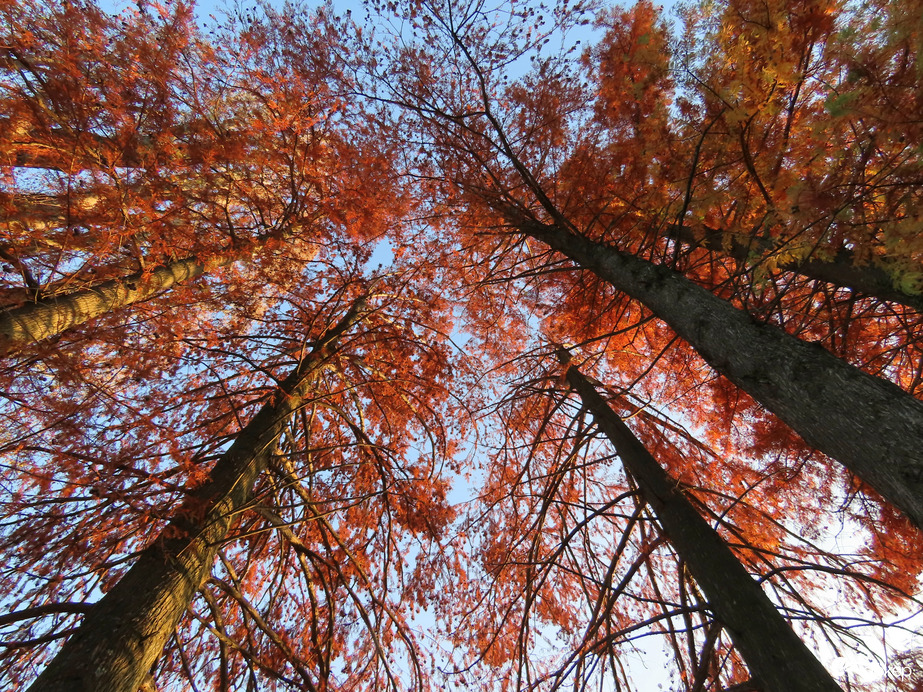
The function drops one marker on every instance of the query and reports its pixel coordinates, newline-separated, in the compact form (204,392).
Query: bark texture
(124,633)
(870,425)
(778,660)
(60,149)
(841,270)
(48,317)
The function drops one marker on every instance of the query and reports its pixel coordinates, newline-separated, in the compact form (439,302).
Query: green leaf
(839,105)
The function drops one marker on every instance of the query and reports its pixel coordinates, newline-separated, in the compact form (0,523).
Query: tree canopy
(461,345)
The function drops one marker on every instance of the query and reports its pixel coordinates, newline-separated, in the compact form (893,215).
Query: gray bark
(778,660)
(841,270)
(870,425)
(124,633)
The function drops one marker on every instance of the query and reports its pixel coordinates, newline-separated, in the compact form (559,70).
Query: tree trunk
(60,149)
(870,425)
(778,660)
(840,271)
(124,633)
(48,317)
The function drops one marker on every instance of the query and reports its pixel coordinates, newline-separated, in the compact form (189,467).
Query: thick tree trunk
(48,317)
(778,660)
(125,631)
(870,425)
(840,271)
(59,149)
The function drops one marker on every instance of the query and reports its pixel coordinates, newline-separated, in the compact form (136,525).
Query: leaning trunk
(778,660)
(124,633)
(840,270)
(870,425)
(50,316)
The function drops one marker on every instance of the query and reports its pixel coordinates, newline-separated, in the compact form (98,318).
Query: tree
(124,633)
(541,158)
(189,363)
(841,270)
(343,489)
(739,603)
(868,424)
(499,156)
(566,553)
(674,221)
(178,168)
(37,320)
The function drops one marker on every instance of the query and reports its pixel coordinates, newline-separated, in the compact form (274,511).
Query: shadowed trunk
(778,660)
(840,271)
(124,633)
(870,425)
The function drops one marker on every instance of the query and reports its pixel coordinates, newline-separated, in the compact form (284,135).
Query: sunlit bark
(124,633)
(48,317)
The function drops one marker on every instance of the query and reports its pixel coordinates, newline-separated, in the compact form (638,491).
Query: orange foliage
(442,470)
